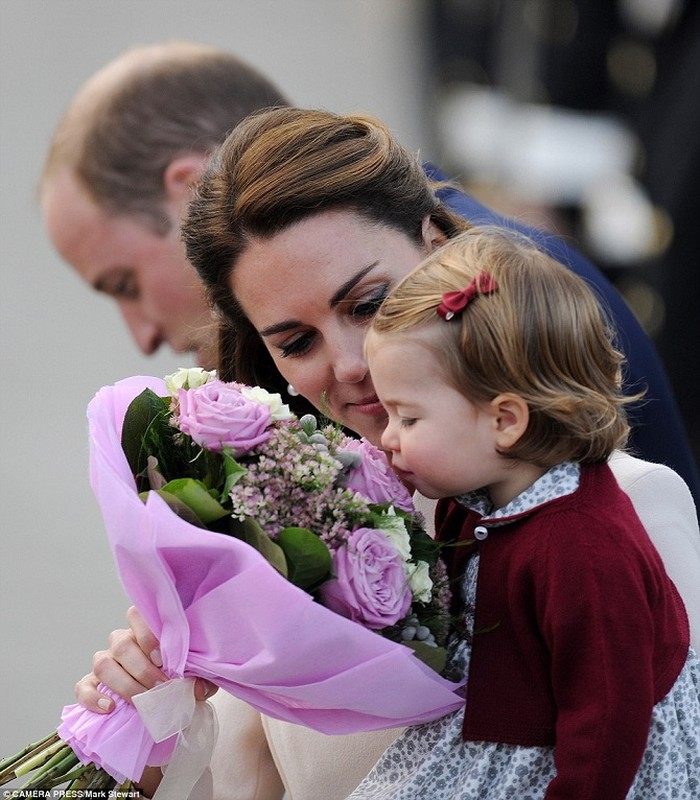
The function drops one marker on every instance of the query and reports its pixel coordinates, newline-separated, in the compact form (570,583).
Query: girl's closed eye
(406,422)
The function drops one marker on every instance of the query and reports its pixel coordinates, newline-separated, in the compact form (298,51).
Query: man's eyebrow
(349,285)
(338,297)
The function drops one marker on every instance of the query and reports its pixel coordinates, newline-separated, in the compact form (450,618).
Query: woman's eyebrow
(280,327)
(349,285)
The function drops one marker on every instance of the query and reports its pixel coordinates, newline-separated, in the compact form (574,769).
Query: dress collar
(562,479)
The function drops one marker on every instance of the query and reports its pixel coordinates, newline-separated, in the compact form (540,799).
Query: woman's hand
(130,665)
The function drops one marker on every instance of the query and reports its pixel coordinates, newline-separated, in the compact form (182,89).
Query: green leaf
(233,471)
(144,411)
(308,558)
(176,505)
(434,657)
(251,532)
(423,546)
(195,494)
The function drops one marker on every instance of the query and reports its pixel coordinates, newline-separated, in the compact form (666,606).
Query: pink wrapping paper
(222,612)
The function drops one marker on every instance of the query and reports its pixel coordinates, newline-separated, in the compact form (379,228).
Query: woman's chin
(373,433)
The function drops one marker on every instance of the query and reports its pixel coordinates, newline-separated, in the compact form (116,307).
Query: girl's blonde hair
(541,335)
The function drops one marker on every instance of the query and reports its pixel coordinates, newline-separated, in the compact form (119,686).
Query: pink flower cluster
(294,484)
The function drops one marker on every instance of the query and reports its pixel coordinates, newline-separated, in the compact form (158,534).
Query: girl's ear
(511,415)
(181,174)
(433,237)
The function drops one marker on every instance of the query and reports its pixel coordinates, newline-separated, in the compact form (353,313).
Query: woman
(303,223)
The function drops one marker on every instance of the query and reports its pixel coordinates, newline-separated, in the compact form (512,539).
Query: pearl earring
(291,391)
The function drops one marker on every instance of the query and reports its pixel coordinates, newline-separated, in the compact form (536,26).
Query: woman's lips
(367,405)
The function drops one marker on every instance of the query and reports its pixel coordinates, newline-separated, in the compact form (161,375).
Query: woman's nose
(349,363)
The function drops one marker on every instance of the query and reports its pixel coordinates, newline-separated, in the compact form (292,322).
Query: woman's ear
(181,174)
(433,237)
(511,415)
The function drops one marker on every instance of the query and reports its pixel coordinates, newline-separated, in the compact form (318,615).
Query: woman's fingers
(204,689)
(125,667)
(144,637)
(130,665)
(89,697)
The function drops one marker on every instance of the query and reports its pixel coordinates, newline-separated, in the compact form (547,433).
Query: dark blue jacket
(657,428)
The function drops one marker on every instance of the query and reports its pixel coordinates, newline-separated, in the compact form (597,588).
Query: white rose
(420,581)
(188,378)
(278,409)
(395,529)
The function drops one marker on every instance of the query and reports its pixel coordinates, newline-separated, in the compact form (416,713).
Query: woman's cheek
(307,385)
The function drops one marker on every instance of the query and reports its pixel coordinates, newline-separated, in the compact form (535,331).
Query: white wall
(59,342)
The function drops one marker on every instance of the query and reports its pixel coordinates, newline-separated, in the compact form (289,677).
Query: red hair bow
(455,302)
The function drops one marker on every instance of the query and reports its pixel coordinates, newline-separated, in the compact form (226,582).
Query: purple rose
(217,416)
(370,586)
(374,478)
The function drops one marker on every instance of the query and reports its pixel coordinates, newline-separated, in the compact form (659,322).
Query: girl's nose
(389,439)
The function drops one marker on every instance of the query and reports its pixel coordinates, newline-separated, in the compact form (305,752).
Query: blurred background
(581,117)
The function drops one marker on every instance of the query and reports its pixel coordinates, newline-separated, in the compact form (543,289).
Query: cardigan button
(481,533)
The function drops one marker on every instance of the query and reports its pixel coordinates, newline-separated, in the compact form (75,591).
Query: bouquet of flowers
(274,556)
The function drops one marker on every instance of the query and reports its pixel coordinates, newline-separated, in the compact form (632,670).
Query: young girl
(502,386)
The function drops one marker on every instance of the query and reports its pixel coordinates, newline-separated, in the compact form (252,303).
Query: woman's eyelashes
(368,306)
(298,346)
(361,309)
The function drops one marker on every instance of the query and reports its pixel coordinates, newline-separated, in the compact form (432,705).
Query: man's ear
(181,174)
(510,415)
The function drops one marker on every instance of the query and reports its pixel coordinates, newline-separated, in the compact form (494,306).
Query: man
(119,173)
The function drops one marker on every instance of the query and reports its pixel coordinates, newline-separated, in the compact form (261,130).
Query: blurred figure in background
(635,63)
(118,176)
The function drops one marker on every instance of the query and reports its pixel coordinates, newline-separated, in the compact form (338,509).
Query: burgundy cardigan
(578,632)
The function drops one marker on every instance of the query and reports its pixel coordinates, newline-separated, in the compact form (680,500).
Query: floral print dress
(433,761)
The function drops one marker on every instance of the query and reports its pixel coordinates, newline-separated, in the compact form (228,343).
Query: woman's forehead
(318,256)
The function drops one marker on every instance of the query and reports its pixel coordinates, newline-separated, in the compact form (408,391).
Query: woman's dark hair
(277,168)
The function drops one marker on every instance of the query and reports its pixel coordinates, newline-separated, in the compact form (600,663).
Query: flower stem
(11,763)
(57,767)
(101,780)
(82,771)
(40,759)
